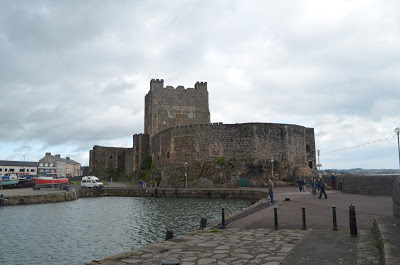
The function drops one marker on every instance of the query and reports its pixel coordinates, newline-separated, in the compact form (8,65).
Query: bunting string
(359,145)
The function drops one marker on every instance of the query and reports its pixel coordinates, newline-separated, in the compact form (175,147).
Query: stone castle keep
(177,130)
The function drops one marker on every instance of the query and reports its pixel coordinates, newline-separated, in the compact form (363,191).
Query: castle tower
(167,107)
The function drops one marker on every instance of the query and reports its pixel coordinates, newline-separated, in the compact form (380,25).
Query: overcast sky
(73,74)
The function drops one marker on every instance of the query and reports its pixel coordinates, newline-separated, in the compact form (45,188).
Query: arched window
(110,157)
(171,113)
(168,155)
(310,164)
(308,148)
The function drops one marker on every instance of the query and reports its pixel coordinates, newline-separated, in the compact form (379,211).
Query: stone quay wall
(175,193)
(365,184)
(35,199)
(396,198)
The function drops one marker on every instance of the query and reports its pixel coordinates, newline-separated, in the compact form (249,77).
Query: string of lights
(359,145)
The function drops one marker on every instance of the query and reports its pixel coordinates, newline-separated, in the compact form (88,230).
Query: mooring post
(276,218)
(223,218)
(169,235)
(334,218)
(353,221)
(203,223)
(303,210)
(170,262)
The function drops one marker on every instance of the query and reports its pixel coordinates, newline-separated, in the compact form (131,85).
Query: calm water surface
(93,228)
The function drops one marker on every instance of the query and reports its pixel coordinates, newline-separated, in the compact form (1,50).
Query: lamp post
(186,175)
(397,131)
(318,165)
(272,169)
(23,167)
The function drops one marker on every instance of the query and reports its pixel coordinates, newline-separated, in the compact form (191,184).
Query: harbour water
(94,228)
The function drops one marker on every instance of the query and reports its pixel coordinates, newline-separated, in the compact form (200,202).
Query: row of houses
(65,167)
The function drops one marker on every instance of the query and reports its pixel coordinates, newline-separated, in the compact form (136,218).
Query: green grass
(213,231)
(75,182)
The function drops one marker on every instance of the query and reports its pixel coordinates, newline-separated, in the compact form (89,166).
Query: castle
(178,134)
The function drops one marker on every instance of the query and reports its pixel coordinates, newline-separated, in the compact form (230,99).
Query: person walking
(314,186)
(304,185)
(332,178)
(322,187)
(318,184)
(300,183)
(271,190)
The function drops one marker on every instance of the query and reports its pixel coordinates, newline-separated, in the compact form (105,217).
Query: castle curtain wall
(207,142)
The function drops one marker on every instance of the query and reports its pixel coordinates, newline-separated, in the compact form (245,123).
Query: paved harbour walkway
(253,239)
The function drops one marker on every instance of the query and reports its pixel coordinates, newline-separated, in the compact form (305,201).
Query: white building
(19,167)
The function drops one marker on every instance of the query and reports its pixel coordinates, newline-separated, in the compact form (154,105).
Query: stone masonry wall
(365,184)
(141,149)
(396,198)
(35,199)
(175,193)
(101,157)
(208,142)
(160,100)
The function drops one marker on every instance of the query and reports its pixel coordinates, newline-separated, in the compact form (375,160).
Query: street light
(186,175)
(397,131)
(272,169)
(318,165)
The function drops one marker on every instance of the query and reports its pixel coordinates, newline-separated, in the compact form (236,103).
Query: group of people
(316,184)
(142,184)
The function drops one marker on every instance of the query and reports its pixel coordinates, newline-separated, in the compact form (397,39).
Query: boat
(51,180)
(8,180)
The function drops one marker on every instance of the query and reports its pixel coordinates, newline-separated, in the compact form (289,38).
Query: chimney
(48,154)
(58,155)
(67,157)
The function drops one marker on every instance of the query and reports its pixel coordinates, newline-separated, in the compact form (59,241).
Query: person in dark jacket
(322,188)
(300,182)
(271,190)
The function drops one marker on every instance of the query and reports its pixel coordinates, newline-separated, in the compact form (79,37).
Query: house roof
(18,163)
(56,158)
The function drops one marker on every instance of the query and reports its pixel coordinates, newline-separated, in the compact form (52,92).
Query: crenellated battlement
(156,84)
(200,85)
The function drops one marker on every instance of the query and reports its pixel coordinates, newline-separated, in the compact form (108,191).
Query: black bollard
(169,235)
(155,193)
(223,218)
(1,199)
(176,193)
(276,218)
(353,221)
(203,223)
(334,218)
(303,210)
(170,262)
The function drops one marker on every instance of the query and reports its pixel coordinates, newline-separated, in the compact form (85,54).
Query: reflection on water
(93,228)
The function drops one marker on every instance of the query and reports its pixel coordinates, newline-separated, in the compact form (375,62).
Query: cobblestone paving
(256,246)
(368,252)
(229,246)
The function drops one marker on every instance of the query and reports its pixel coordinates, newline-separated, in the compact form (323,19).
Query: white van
(91,182)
